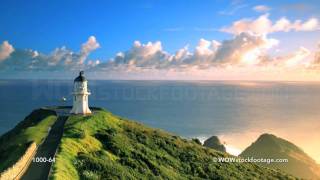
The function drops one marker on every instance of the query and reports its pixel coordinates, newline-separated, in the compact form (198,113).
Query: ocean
(237,111)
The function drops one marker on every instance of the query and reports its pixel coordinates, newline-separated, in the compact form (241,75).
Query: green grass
(104,146)
(33,128)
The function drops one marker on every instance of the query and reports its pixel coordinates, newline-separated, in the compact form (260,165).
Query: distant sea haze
(238,112)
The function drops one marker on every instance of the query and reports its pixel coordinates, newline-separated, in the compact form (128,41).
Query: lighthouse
(80,95)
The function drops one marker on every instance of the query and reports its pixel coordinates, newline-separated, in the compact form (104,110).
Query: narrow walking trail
(46,151)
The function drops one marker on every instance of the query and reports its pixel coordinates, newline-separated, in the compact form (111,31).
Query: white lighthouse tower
(80,95)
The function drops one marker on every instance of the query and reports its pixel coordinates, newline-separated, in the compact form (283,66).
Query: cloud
(261,8)
(5,50)
(310,25)
(60,59)
(263,25)
(316,60)
(87,47)
(298,58)
(243,49)
(143,55)
(234,8)
(245,54)
(300,7)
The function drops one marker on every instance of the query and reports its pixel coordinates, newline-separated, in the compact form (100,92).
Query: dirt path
(46,151)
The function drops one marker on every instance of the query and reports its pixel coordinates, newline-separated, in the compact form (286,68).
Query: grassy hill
(270,146)
(104,146)
(33,128)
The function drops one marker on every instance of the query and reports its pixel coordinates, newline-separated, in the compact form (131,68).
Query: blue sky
(45,25)
(116,24)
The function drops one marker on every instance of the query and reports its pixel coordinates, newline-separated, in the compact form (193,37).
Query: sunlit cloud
(5,50)
(261,8)
(243,49)
(244,56)
(88,47)
(317,56)
(264,25)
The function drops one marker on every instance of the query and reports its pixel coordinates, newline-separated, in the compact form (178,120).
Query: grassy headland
(104,146)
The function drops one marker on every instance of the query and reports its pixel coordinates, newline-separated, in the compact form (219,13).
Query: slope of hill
(33,128)
(104,146)
(270,146)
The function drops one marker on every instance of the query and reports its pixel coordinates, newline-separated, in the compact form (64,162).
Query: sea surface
(238,112)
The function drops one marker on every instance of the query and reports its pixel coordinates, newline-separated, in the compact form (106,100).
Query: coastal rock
(269,146)
(214,143)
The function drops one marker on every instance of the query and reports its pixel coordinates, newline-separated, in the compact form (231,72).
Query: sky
(161,39)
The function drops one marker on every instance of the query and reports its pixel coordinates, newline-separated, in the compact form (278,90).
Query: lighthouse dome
(80,78)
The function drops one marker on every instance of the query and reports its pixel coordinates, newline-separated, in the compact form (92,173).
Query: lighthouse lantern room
(80,95)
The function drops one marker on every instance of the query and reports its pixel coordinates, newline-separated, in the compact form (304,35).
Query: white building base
(80,104)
